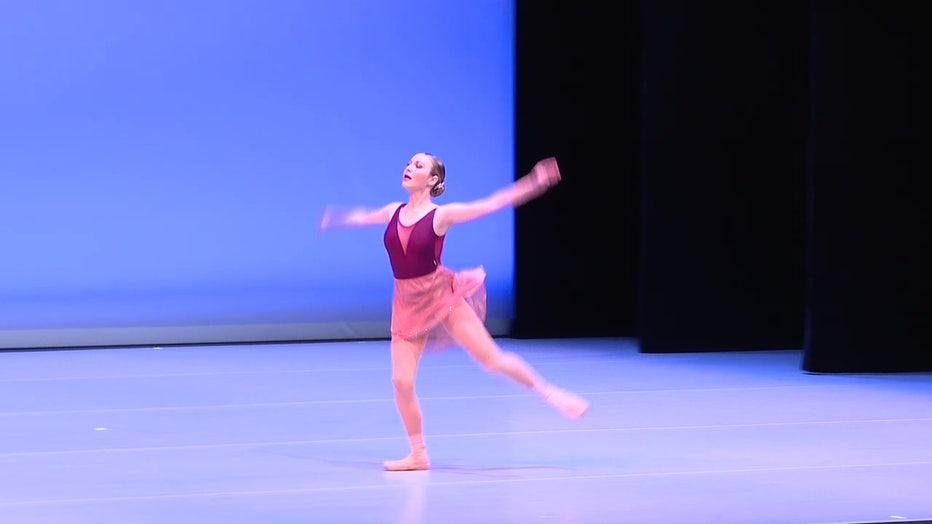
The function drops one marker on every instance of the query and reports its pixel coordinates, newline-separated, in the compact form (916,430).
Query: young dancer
(430,300)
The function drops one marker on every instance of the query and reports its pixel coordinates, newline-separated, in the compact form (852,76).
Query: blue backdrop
(165,163)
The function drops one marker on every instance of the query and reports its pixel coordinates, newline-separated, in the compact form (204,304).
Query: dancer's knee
(403,382)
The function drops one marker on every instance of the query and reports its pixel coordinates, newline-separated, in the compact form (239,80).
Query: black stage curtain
(577,99)
(869,288)
(724,162)
(739,175)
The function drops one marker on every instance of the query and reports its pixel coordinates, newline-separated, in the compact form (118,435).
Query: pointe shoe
(570,404)
(416,461)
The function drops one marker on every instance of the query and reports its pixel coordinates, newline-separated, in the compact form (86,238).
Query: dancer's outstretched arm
(358,216)
(542,177)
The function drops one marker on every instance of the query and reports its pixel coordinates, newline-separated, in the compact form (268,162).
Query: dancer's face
(417,175)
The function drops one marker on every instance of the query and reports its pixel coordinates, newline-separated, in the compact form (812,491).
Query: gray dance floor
(296,433)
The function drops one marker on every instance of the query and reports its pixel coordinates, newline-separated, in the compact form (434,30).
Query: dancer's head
(425,171)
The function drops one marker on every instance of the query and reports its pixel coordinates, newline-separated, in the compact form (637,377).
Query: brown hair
(437,169)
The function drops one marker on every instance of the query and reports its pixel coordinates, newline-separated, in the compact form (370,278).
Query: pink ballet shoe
(570,404)
(416,461)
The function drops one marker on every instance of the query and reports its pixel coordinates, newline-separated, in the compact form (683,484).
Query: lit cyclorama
(166,163)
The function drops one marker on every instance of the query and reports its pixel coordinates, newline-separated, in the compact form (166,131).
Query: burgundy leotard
(419,253)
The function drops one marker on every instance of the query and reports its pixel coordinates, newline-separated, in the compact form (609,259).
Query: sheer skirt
(419,305)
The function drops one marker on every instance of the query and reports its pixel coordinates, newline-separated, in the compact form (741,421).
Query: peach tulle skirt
(420,305)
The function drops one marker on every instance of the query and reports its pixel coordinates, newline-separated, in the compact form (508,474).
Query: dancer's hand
(546,173)
(326,220)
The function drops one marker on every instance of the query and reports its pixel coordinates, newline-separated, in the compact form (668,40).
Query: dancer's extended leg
(469,331)
(405,357)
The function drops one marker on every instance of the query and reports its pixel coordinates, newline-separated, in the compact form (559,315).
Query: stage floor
(296,433)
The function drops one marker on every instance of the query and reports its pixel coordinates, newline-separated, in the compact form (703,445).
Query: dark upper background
(737,176)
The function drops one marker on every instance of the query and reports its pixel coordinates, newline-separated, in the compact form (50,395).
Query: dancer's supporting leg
(469,331)
(405,357)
